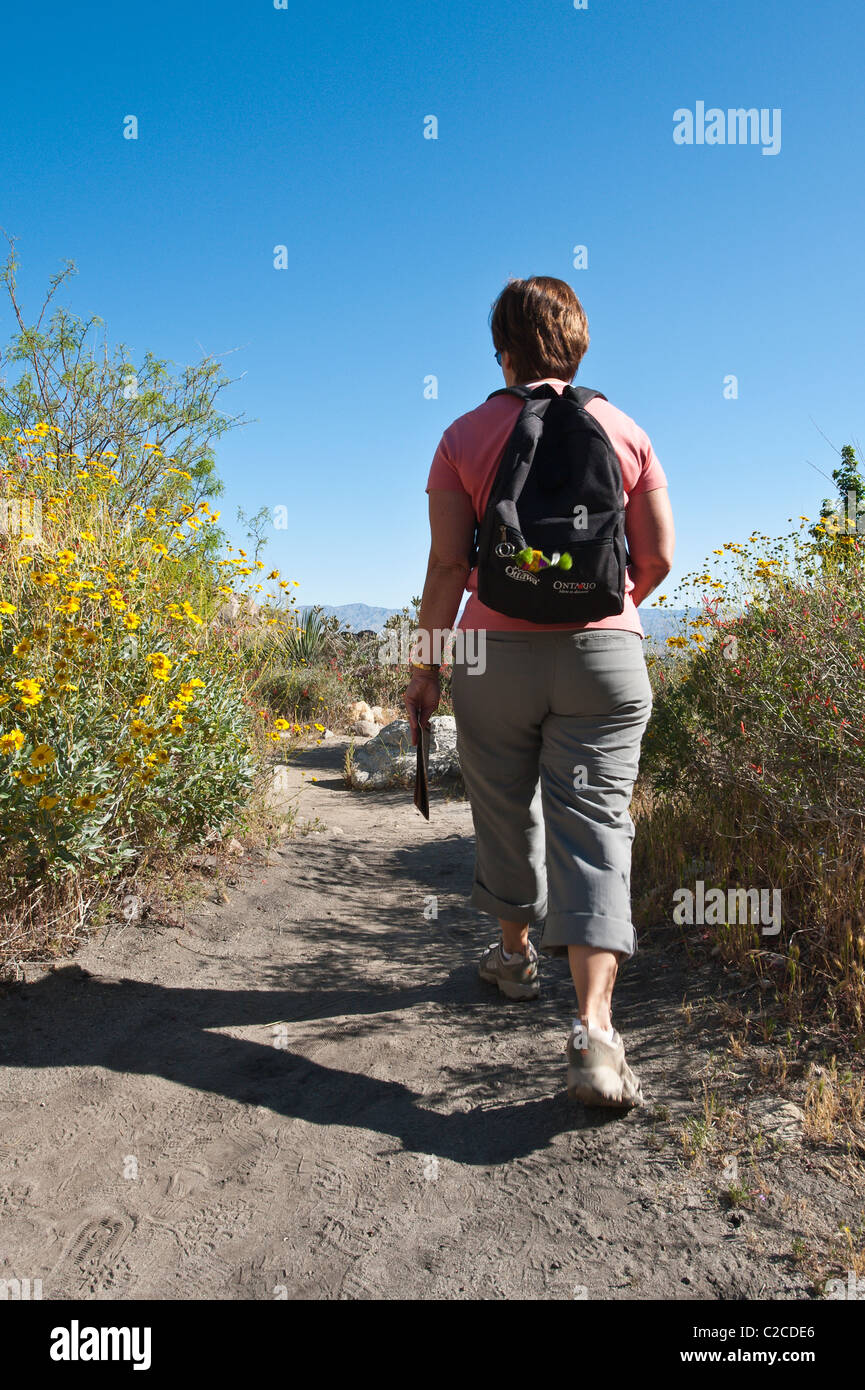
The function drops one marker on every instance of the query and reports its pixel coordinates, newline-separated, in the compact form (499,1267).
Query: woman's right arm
(651,539)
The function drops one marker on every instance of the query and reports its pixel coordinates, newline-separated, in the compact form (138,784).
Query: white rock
(390,760)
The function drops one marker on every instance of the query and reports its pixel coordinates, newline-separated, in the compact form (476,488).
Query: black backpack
(558,493)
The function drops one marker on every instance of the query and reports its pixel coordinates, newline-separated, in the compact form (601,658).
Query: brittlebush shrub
(124,723)
(772,699)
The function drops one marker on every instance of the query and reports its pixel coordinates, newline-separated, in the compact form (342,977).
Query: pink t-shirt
(467,460)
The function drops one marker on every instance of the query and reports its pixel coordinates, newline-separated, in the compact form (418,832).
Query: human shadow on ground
(71,1018)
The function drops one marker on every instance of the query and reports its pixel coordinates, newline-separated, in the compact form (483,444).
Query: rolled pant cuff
(564,929)
(485,901)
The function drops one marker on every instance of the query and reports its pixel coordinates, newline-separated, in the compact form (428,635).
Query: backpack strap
(581,394)
(512,391)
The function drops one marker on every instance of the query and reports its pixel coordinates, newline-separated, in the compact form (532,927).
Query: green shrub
(753,766)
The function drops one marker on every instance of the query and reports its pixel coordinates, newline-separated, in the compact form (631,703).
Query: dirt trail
(306,1088)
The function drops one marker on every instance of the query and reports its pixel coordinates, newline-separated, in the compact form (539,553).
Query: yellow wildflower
(31,691)
(191,615)
(160,665)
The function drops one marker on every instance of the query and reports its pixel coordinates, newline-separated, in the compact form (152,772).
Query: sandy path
(307,1089)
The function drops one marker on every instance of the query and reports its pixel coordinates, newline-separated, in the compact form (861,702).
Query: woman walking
(549,725)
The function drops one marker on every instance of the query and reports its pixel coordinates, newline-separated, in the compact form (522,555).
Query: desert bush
(773,697)
(318,673)
(96,397)
(753,771)
(304,695)
(124,721)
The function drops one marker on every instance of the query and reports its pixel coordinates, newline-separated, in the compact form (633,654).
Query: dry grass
(814,968)
(835,1105)
(46,924)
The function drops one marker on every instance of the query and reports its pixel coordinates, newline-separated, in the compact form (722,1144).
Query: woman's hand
(421,698)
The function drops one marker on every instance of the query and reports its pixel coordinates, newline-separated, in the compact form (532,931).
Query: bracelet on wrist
(425,666)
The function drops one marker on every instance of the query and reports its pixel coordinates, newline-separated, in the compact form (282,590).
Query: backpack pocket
(594,560)
(591,588)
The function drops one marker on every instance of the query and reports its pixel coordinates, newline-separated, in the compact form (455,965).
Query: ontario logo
(521,574)
(573,586)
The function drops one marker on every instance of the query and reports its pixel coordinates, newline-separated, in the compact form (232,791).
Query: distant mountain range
(658,623)
(358,616)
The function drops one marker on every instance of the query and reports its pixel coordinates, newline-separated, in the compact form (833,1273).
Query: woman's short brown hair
(541,323)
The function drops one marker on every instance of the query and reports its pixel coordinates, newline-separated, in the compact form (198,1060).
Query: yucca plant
(304,644)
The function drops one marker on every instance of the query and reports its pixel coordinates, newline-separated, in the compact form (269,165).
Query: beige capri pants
(548,735)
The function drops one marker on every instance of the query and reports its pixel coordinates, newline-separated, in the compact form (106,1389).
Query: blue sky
(304,127)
